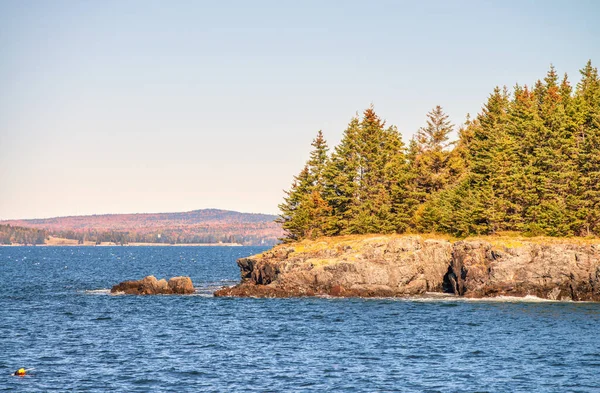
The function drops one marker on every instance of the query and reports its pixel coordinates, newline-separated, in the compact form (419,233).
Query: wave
(97,291)
(203,291)
(435,297)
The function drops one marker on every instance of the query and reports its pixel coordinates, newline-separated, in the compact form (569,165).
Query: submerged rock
(393,265)
(151,286)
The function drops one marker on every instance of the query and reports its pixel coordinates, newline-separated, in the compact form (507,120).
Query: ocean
(57,316)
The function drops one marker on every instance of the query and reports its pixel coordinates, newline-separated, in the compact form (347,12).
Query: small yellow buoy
(21,372)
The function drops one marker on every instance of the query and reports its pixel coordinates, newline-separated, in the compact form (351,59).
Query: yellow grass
(58,241)
(505,240)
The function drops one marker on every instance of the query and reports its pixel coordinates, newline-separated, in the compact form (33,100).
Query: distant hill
(197,226)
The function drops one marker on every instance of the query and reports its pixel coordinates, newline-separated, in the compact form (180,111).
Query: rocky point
(395,265)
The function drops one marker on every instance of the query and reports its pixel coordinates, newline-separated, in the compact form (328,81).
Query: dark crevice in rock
(449,284)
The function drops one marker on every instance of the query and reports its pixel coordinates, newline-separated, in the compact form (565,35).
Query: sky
(153,106)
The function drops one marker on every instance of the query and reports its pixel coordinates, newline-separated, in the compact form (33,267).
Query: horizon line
(3,220)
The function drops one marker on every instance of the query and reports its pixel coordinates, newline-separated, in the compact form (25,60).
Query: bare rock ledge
(395,266)
(151,286)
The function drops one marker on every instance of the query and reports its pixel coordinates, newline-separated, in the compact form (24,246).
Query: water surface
(56,316)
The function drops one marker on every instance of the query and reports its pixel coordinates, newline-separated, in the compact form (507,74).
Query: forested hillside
(198,226)
(10,235)
(528,162)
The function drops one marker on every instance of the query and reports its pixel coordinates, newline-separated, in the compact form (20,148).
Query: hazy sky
(151,106)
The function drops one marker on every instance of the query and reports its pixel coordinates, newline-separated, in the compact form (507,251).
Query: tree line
(528,162)
(19,235)
(32,236)
(167,236)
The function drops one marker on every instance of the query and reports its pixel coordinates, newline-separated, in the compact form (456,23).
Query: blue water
(56,316)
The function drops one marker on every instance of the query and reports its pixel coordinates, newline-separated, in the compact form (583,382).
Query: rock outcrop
(151,286)
(371,267)
(393,265)
(556,271)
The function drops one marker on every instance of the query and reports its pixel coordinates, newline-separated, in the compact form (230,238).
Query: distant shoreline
(105,244)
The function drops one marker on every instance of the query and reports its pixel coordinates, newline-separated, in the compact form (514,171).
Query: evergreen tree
(376,145)
(554,165)
(492,161)
(304,212)
(587,101)
(529,162)
(432,159)
(318,161)
(341,176)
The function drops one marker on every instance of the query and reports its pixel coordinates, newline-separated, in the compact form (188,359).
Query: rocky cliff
(394,265)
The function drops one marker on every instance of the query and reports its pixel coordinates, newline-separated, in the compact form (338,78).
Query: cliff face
(374,266)
(559,271)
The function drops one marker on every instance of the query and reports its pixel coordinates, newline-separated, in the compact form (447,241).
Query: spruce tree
(529,162)
(555,165)
(431,161)
(304,212)
(587,101)
(290,219)
(341,179)
(492,161)
(364,176)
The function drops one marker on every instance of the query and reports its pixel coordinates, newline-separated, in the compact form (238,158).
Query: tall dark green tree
(432,157)
(363,178)
(492,161)
(371,210)
(528,162)
(341,175)
(587,101)
(304,212)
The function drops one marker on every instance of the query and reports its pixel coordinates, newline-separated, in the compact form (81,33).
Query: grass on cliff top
(354,241)
(504,239)
(515,239)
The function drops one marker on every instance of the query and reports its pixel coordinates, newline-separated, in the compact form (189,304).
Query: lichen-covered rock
(376,266)
(393,265)
(151,286)
(557,271)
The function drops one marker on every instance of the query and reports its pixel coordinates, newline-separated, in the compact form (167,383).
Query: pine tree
(363,178)
(318,160)
(341,179)
(553,161)
(587,101)
(377,146)
(304,213)
(431,160)
(492,161)
(529,162)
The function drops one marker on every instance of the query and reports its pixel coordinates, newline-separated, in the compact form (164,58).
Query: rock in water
(181,285)
(151,286)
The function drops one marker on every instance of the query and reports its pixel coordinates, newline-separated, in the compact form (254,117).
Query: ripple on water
(62,322)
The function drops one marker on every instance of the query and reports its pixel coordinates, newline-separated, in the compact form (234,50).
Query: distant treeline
(528,162)
(163,237)
(197,226)
(19,235)
(31,236)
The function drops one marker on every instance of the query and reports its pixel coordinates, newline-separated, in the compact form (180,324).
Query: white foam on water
(201,292)
(435,297)
(97,291)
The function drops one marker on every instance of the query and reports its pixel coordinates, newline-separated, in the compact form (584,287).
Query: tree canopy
(528,162)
